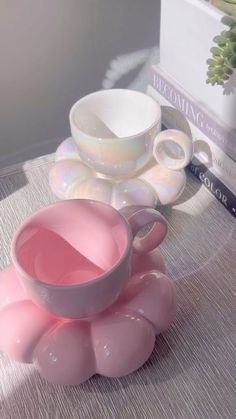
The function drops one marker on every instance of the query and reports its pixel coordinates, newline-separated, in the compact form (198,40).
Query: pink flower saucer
(114,343)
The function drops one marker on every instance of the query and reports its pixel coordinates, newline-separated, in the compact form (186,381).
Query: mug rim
(112,139)
(98,278)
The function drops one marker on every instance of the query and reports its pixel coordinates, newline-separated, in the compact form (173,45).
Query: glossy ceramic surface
(73,257)
(173,149)
(154,185)
(114,343)
(111,136)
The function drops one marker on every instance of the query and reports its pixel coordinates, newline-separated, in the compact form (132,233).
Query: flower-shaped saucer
(114,343)
(153,186)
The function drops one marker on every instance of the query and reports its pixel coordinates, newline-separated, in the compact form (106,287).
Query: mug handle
(139,217)
(180,147)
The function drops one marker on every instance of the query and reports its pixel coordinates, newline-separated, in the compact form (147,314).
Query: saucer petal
(122,343)
(168,184)
(93,188)
(64,173)
(152,295)
(21,326)
(147,262)
(67,150)
(11,290)
(133,192)
(64,355)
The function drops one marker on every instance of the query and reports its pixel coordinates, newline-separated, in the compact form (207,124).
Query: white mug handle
(173,149)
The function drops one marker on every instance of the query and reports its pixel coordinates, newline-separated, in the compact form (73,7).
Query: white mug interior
(115,113)
(115,129)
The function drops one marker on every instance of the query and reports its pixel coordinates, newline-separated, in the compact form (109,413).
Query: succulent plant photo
(223,61)
(227,6)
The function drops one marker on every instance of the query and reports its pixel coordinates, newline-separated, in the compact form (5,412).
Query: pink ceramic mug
(73,257)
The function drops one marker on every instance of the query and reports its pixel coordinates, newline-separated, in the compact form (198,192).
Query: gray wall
(53,52)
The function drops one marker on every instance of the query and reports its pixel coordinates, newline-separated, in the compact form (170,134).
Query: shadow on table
(11,181)
(189,191)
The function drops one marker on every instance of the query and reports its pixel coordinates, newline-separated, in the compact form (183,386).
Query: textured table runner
(192,372)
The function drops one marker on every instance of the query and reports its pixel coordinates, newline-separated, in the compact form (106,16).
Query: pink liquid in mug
(62,265)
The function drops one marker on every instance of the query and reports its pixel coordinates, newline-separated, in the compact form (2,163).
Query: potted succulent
(227,6)
(221,65)
(197,53)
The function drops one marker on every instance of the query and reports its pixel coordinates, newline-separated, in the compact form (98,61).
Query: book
(195,113)
(207,152)
(214,185)
(214,144)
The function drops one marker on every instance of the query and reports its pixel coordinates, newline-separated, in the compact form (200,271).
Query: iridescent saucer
(155,185)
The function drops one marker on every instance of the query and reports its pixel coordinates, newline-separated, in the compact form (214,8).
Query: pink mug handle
(139,217)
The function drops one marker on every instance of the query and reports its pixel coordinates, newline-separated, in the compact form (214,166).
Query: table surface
(192,371)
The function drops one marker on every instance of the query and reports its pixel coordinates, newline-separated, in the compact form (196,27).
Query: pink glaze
(114,343)
(48,257)
(94,230)
(152,260)
(122,342)
(11,289)
(73,258)
(152,295)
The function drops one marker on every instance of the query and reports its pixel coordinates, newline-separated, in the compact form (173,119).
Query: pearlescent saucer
(155,185)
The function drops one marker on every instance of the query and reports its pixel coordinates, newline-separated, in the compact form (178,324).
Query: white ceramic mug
(115,130)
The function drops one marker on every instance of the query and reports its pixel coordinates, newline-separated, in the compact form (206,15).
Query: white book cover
(186,37)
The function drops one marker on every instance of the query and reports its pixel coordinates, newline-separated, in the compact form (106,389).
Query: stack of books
(206,113)
(214,161)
